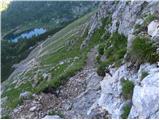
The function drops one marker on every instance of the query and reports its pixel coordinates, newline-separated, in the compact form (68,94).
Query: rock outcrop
(125,15)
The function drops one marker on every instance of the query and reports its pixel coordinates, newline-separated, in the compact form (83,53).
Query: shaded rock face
(111,95)
(145,96)
(125,15)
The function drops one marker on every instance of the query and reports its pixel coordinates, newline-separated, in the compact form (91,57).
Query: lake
(26,34)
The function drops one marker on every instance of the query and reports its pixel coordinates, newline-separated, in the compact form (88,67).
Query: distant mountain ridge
(43,13)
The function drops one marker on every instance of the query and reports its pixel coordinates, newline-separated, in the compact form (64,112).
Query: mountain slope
(22,18)
(104,65)
(45,14)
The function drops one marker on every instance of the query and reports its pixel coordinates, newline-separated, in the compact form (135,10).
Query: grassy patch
(144,74)
(116,48)
(62,46)
(126,111)
(101,49)
(101,69)
(143,50)
(7,116)
(98,59)
(61,73)
(60,114)
(147,19)
(127,89)
(13,95)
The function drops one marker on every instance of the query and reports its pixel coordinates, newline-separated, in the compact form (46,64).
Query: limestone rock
(146,96)
(153,30)
(51,117)
(25,95)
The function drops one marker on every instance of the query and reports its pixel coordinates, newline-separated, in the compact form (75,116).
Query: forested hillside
(42,14)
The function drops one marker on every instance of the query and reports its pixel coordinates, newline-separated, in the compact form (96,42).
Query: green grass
(143,50)
(127,89)
(60,114)
(126,111)
(63,45)
(70,43)
(101,69)
(98,59)
(144,74)
(13,94)
(7,116)
(101,49)
(116,47)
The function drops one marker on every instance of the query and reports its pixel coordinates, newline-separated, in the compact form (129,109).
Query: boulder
(33,108)
(51,117)
(45,76)
(146,96)
(25,95)
(153,30)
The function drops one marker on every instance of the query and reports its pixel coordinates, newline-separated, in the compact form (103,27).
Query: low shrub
(7,116)
(126,111)
(98,59)
(127,89)
(56,113)
(143,50)
(116,48)
(101,69)
(101,49)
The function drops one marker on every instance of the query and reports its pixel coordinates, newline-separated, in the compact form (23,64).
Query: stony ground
(78,94)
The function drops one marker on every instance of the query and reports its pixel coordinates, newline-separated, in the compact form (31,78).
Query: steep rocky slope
(127,88)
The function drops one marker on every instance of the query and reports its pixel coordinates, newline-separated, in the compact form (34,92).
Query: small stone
(51,117)
(32,108)
(25,95)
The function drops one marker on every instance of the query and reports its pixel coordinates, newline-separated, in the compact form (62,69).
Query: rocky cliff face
(144,102)
(87,95)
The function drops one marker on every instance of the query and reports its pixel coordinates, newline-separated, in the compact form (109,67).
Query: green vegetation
(147,19)
(127,89)
(6,117)
(101,69)
(49,14)
(98,59)
(144,74)
(70,48)
(143,50)
(13,53)
(106,21)
(13,94)
(101,49)
(126,111)
(115,50)
(62,46)
(60,114)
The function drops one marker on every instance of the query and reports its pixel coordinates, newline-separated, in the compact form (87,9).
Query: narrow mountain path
(74,100)
(91,58)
